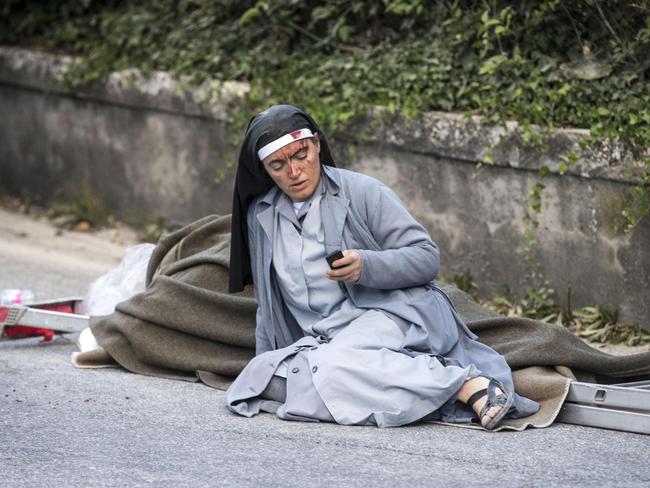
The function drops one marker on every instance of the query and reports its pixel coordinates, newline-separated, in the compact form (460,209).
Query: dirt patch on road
(34,237)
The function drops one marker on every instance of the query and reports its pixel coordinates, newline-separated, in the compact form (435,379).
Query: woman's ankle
(471,386)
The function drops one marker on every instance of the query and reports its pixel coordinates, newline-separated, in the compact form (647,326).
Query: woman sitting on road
(351,326)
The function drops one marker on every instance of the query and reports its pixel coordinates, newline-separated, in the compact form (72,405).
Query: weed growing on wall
(594,323)
(545,63)
(86,206)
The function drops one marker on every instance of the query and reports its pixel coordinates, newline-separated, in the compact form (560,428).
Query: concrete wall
(477,219)
(142,146)
(476,212)
(147,150)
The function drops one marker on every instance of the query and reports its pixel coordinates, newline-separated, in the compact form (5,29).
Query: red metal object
(22,331)
(66,305)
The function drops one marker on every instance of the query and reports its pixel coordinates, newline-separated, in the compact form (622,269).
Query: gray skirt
(360,376)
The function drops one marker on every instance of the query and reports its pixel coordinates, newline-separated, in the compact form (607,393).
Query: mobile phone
(333,257)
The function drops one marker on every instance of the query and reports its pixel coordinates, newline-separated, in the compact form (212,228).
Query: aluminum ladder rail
(621,406)
(59,322)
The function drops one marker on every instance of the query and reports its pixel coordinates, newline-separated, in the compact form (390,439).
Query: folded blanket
(186,326)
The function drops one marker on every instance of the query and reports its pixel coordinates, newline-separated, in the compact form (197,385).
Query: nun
(351,326)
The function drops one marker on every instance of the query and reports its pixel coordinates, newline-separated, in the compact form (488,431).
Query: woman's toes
(490,414)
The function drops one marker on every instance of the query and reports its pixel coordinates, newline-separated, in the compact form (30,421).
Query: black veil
(252,180)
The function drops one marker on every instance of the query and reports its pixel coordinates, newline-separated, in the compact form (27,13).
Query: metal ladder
(621,406)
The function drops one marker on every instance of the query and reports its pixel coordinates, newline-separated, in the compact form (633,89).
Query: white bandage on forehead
(286,139)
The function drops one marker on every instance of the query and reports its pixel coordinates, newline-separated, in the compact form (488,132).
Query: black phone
(333,257)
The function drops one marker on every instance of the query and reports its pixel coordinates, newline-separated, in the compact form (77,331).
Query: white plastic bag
(120,283)
(108,290)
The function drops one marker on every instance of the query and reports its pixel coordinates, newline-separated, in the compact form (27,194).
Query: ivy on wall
(547,63)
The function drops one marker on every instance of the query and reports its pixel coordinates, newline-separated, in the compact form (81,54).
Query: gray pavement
(61,426)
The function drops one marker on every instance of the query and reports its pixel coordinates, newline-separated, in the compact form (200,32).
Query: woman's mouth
(299,185)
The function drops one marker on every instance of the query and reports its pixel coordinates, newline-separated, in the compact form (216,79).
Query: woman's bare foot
(474,385)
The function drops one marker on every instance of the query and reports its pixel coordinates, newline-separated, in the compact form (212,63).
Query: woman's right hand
(348,268)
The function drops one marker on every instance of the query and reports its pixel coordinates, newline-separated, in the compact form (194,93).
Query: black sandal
(503,400)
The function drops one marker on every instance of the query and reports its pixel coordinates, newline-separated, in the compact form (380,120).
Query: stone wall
(476,211)
(143,146)
(147,149)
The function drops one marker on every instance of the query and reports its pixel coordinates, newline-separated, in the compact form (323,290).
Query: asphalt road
(62,426)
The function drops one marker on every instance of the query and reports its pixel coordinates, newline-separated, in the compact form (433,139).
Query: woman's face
(295,168)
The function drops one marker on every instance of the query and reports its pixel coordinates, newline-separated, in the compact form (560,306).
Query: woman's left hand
(348,268)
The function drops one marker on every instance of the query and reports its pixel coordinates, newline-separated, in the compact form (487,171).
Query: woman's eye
(301,155)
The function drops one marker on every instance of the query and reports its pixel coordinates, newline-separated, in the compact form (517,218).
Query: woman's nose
(294,169)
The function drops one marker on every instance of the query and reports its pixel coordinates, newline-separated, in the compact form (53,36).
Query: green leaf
(492,64)
(249,16)
(343,32)
(322,12)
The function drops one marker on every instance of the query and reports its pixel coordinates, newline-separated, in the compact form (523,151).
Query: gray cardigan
(399,259)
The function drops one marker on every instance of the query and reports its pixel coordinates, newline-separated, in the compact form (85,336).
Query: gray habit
(405,352)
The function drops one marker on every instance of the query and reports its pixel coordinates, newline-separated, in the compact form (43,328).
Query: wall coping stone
(469,139)
(157,91)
